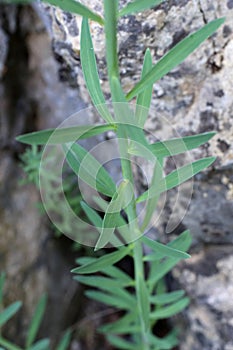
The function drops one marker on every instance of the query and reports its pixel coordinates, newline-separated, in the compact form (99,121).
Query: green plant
(143,297)
(31,342)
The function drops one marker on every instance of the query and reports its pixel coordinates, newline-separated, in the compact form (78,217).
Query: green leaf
(122,197)
(103,262)
(110,299)
(8,345)
(175,56)
(139,6)
(176,177)
(9,312)
(166,298)
(36,321)
(144,98)
(124,325)
(92,215)
(164,250)
(121,343)
(152,203)
(63,135)
(90,72)
(2,282)
(77,8)
(89,169)
(117,273)
(104,283)
(180,145)
(171,310)
(42,344)
(65,341)
(165,343)
(182,242)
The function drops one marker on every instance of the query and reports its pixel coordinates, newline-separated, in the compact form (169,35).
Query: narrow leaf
(90,72)
(36,321)
(104,283)
(63,135)
(8,345)
(170,310)
(9,312)
(144,98)
(2,282)
(180,145)
(176,177)
(124,325)
(182,242)
(122,197)
(120,343)
(175,56)
(139,6)
(165,250)
(65,341)
(166,298)
(42,344)
(90,170)
(77,8)
(111,300)
(104,261)
(166,343)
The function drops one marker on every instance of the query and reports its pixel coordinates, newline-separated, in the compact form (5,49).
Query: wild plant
(142,298)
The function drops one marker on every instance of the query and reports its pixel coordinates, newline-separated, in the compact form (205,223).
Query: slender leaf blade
(176,177)
(2,282)
(65,341)
(121,343)
(138,6)
(36,321)
(175,56)
(90,72)
(164,250)
(166,298)
(144,98)
(8,345)
(63,135)
(77,8)
(122,197)
(110,299)
(9,312)
(42,344)
(171,310)
(182,242)
(180,145)
(90,170)
(102,262)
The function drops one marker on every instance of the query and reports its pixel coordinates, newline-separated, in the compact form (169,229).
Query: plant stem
(139,282)
(111,12)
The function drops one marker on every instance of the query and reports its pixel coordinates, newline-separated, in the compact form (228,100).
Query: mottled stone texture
(195,97)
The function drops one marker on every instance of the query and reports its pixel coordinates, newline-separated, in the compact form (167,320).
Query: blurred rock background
(41,85)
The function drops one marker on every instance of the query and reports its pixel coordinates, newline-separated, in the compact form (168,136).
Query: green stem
(111,12)
(139,282)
